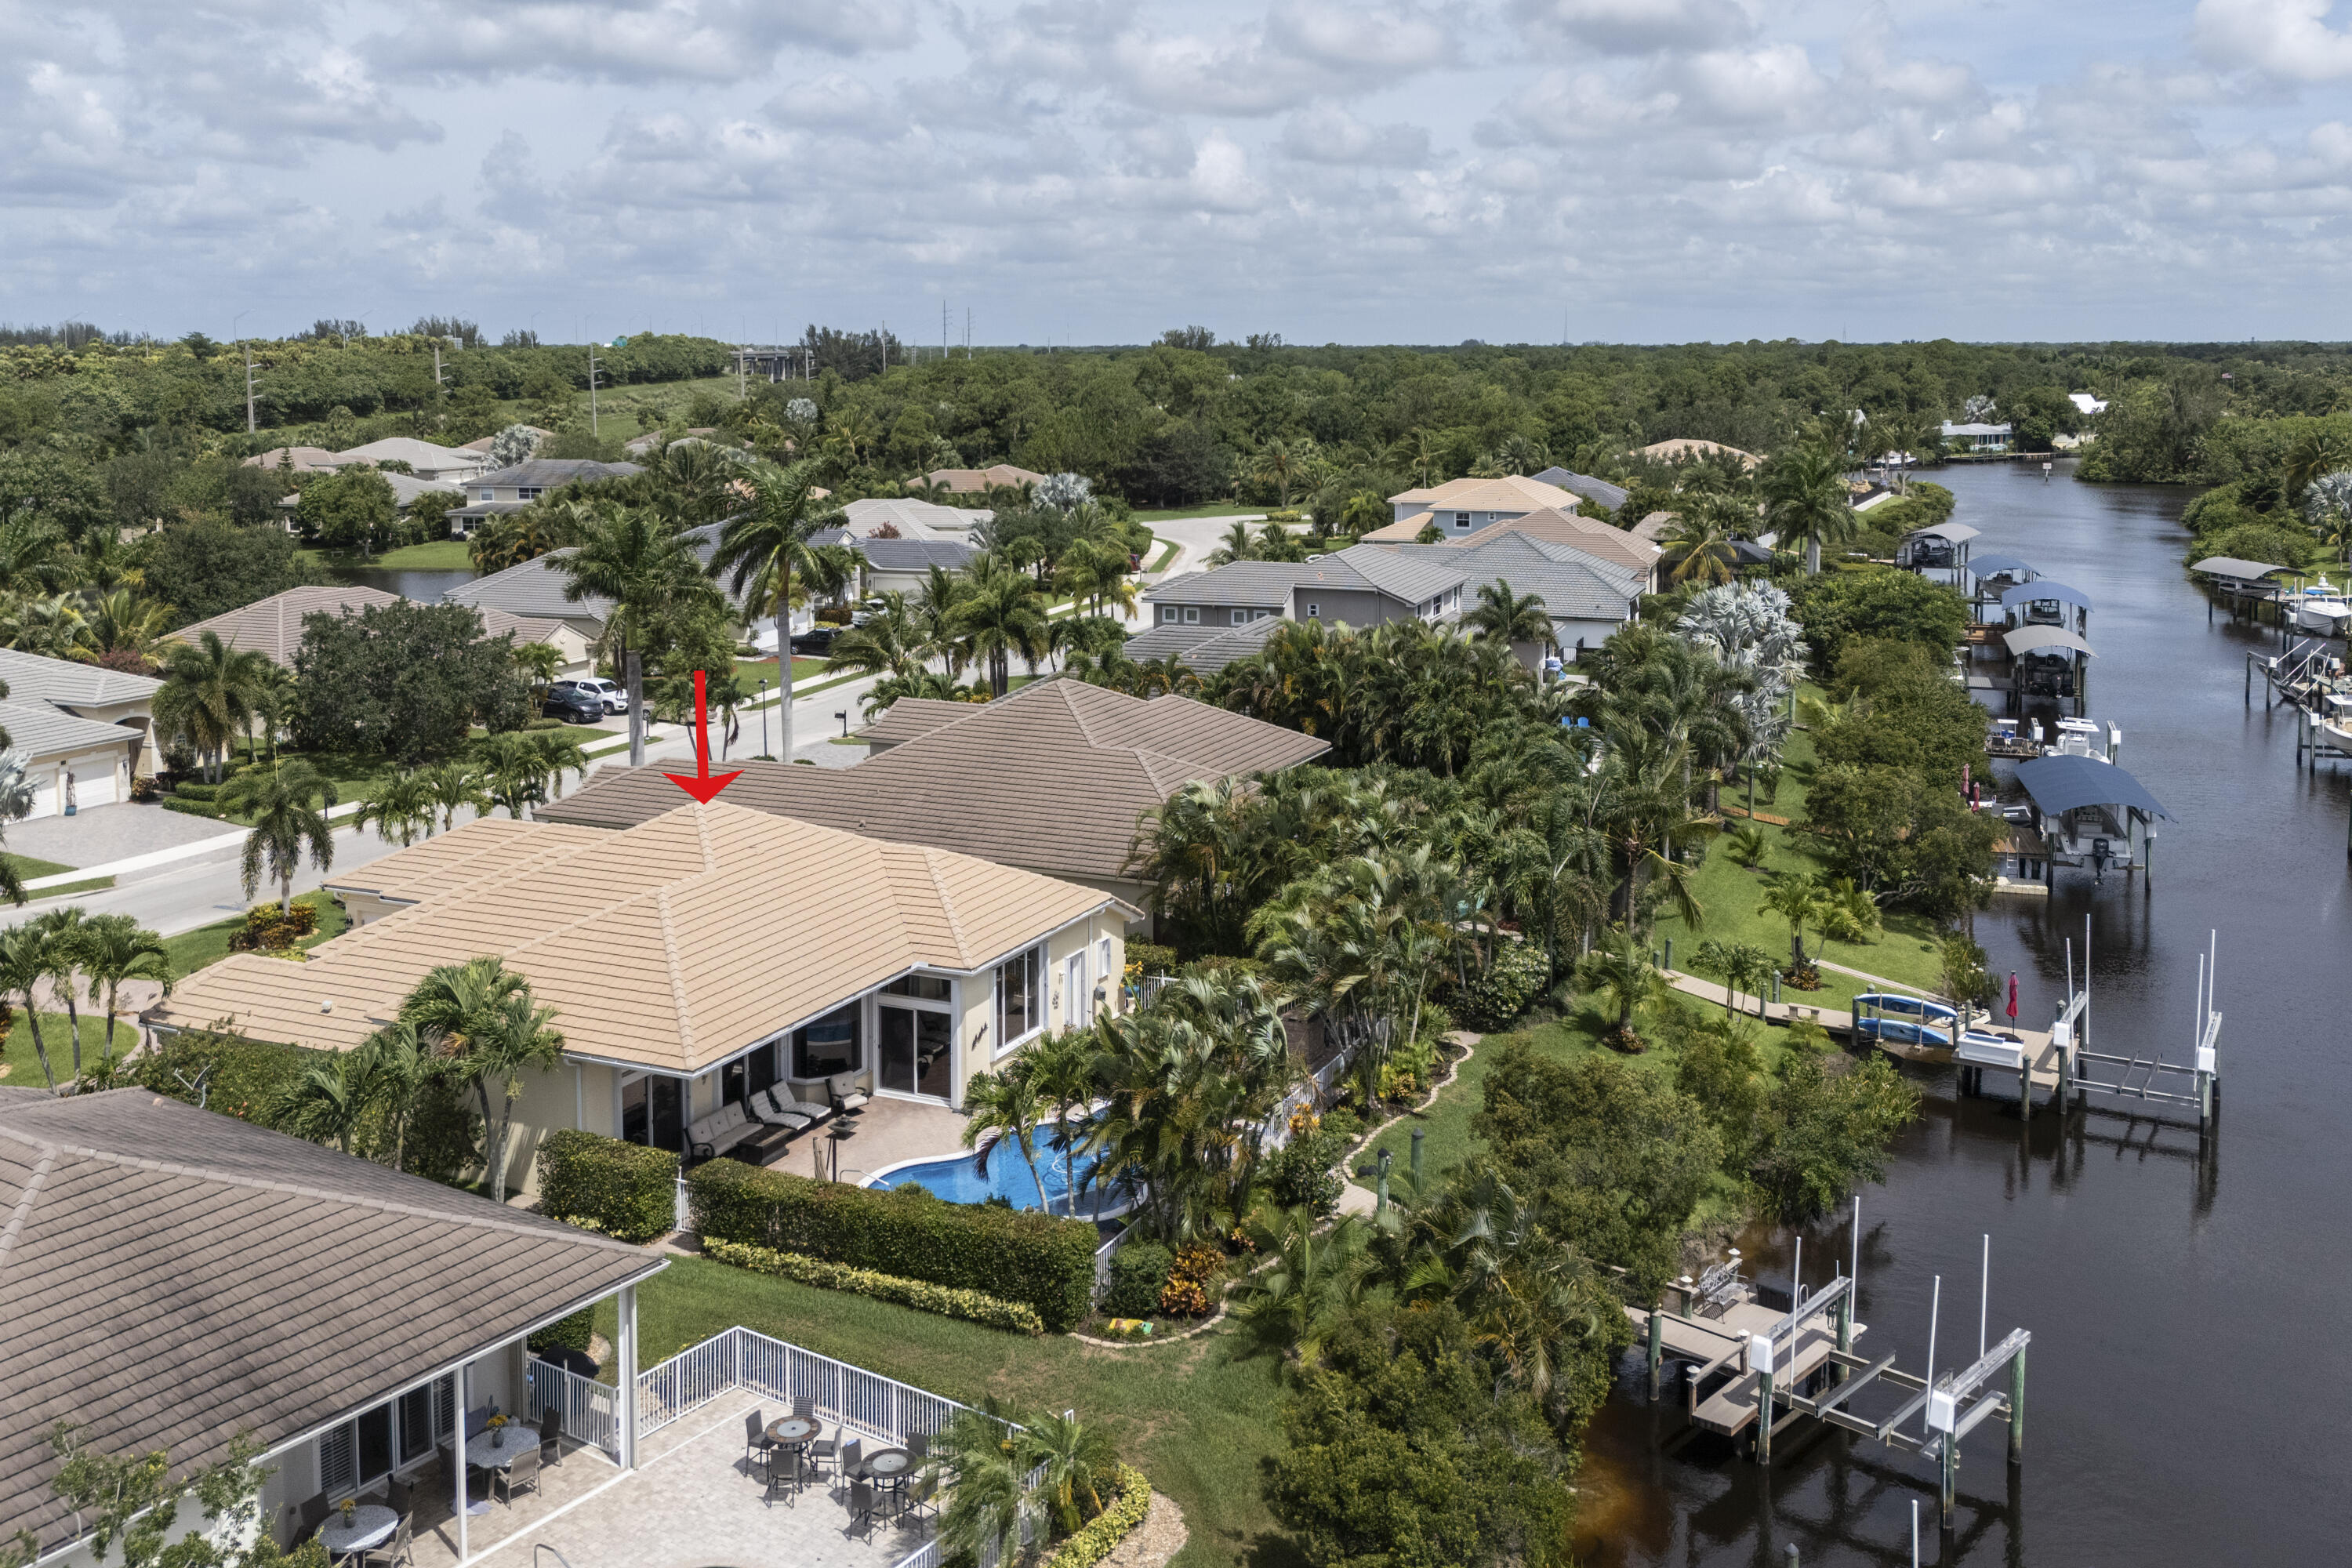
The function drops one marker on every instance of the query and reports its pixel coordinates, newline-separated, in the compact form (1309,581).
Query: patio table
(372,1525)
(888,1466)
(793,1434)
(482,1449)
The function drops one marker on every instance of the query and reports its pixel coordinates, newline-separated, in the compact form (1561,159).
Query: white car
(612,694)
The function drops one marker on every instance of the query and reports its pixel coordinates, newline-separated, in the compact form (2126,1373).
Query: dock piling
(2017,1409)
(1657,1349)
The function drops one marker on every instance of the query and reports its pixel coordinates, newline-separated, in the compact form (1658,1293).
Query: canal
(2185,1316)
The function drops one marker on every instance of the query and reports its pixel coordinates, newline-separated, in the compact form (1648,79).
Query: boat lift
(2090,812)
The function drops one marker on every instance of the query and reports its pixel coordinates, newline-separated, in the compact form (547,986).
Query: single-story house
(405,489)
(425,459)
(483,443)
(1977,437)
(901,565)
(505,490)
(978,481)
(704,954)
(300,460)
(1584,487)
(1054,778)
(904,518)
(1363,586)
(173,1278)
(1462,506)
(273,626)
(79,730)
(1683,449)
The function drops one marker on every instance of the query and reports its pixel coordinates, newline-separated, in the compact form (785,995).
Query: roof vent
(328,1006)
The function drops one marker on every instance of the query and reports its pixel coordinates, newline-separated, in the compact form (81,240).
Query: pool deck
(886,1132)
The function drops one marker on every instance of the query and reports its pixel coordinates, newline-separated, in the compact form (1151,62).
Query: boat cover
(1993,565)
(2039,639)
(1979,1048)
(1954,533)
(2032,593)
(2231,566)
(2063,783)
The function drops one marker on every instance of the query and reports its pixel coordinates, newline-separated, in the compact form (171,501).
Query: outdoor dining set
(886,1481)
(502,1455)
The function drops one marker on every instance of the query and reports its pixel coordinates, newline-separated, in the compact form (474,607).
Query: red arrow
(702,786)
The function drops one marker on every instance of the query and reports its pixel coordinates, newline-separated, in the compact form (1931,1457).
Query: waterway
(2187,1318)
(425,586)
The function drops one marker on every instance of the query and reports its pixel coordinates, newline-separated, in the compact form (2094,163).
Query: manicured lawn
(1194,1418)
(1167,554)
(190,951)
(354,777)
(1222,508)
(20,1066)
(24,866)
(438,555)
(750,672)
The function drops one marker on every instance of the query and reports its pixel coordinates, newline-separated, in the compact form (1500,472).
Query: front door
(916,1050)
(1076,1005)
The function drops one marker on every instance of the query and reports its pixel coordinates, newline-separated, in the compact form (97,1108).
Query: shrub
(189,808)
(1150,958)
(1186,1294)
(972,1305)
(1299,1174)
(571,1333)
(626,1189)
(1101,1535)
(269,928)
(1511,984)
(245,1075)
(1019,1255)
(1139,1272)
(195,791)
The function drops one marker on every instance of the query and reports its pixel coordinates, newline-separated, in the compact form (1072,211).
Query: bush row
(1139,1272)
(1519,974)
(571,1333)
(625,1190)
(1101,1535)
(1018,1254)
(972,1305)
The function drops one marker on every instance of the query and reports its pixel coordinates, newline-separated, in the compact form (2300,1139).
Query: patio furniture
(719,1130)
(861,1507)
(823,1450)
(521,1475)
(400,1496)
(311,1515)
(372,1524)
(804,1405)
(761,1147)
(919,1445)
(848,1099)
(478,1419)
(790,1435)
(401,1553)
(550,1436)
(756,1441)
(852,1458)
(889,1466)
(922,1495)
(495,1450)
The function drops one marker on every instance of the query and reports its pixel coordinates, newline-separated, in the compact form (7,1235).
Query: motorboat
(2334,719)
(2321,608)
(2088,738)
(1989,1049)
(1890,1018)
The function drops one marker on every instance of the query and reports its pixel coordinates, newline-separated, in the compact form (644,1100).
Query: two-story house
(505,490)
(1460,508)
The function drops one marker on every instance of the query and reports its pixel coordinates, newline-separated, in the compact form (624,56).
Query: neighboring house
(425,459)
(911,519)
(273,626)
(1975,438)
(1653,527)
(1584,487)
(978,481)
(1592,537)
(483,443)
(505,490)
(1052,779)
(300,460)
(173,1278)
(1462,506)
(710,952)
(1587,597)
(1363,586)
(533,591)
(1203,649)
(899,566)
(79,730)
(1683,449)
(405,489)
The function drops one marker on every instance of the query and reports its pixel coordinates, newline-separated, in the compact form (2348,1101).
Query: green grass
(1194,1418)
(24,866)
(354,778)
(21,1065)
(192,949)
(750,672)
(1165,556)
(1222,508)
(438,555)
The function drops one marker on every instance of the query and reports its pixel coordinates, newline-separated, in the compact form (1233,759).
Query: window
(1314,610)
(1170,614)
(1260,614)
(486,494)
(1020,999)
(1102,959)
(1462,519)
(921,987)
(1192,614)
(829,1046)
(527,492)
(1240,618)
(396,1434)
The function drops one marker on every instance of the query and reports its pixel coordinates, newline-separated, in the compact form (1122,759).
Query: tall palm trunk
(785,663)
(40,1046)
(1813,555)
(73,1022)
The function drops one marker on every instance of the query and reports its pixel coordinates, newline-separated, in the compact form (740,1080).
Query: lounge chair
(847,1098)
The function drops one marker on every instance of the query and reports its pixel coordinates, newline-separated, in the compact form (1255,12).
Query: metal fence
(838,1392)
(591,1410)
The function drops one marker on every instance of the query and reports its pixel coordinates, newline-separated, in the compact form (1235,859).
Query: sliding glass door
(917,1049)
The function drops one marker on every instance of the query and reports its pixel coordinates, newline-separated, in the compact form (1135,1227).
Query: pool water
(958,1179)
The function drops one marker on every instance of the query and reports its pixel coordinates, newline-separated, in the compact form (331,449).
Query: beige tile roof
(1054,778)
(273,626)
(305,459)
(1404,531)
(965,481)
(1684,447)
(171,1277)
(673,944)
(1515,492)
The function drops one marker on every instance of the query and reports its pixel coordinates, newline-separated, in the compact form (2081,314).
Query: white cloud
(632,40)
(1328,134)
(1638,26)
(2287,38)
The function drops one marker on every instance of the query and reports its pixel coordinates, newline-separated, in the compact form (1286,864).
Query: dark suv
(573,705)
(816,640)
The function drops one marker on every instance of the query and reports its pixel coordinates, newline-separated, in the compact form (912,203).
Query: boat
(2088,738)
(2334,721)
(1890,1018)
(1988,1049)
(2321,608)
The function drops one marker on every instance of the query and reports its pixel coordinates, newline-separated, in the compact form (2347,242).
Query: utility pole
(248,390)
(967,331)
(743,387)
(943,332)
(592,426)
(436,365)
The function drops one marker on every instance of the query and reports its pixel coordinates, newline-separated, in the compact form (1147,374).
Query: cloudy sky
(1093,170)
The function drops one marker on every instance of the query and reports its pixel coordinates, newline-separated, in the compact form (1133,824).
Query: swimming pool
(957,1179)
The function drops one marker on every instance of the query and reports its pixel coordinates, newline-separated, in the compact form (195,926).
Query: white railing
(742,1358)
(591,1410)
(682,1209)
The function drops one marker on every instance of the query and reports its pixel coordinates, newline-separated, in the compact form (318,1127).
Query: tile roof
(965,481)
(1268,584)
(532,587)
(912,717)
(273,626)
(1600,492)
(171,1277)
(1052,778)
(1412,579)
(673,944)
(1203,650)
(1574,586)
(1514,492)
(1589,534)
(1683,448)
(32,677)
(552,473)
(305,459)
(422,455)
(36,730)
(902,554)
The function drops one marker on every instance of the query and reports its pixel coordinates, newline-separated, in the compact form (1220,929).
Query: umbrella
(2012,995)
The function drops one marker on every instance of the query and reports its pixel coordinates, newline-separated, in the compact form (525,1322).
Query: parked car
(610,694)
(817,641)
(573,704)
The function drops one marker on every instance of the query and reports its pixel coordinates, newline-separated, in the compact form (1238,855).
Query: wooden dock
(2039,1051)
(1720,1345)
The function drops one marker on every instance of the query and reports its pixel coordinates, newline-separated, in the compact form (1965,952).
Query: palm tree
(1796,896)
(513,771)
(1699,548)
(560,750)
(626,556)
(451,787)
(273,707)
(117,948)
(539,662)
(979,1455)
(1238,544)
(208,695)
(16,801)
(134,630)
(762,547)
(68,931)
(328,1100)
(1364,511)
(1001,1107)
(2320,452)
(1310,1279)
(1279,463)
(24,964)
(403,811)
(1061,1069)
(278,802)
(893,640)
(1001,615)
(1077,1460)
(1509,617)
(480,1016)
(33,558)
(1625,982)
(1805,495)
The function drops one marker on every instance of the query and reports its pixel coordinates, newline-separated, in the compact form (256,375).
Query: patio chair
(853,1457)
(920,1495)
(477,1420)
(824,1451)
(804,1405)
(310,1516)
(400,1554)
(757,1444)
(861,1507)
(918,1445)
(400,1496)
(550,1436)
(521,1475)
(847,1098)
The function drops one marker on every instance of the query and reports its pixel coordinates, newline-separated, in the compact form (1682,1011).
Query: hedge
(573,1333)
(972,1305)
(625,1190)
(1509,987)
(1101,1535)
(1019,1255)
(247,1075)
(1139,1272)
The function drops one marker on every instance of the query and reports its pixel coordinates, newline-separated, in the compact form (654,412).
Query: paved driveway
(107,833)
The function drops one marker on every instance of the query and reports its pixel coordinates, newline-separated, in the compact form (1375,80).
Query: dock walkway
(1721,1343)
(2039,1052)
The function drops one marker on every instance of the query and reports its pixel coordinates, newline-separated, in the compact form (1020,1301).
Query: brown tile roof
(968,481)
(675,944)
(1683,448)
(171,1277)
(274,626)
(1052,779)
(911,718)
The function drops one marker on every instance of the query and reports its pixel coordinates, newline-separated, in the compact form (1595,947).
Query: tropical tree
(67,934)
(1509,617)
(1364,511)
(285,805)
(1002,617)
(1797,897)
(513,770)
(1236,545)
(979,1455)
(759,549)
(328,1100)
(1312,1276)
(116,948)
(1698,549)
(626,556)
(480,1016)
(893,640)
(1281,462)
(208,696)
(540,662)
(1805,495)
(563,754)
(1061,1072)
(126,631)
(1002,1107)
(1624,982)
(403,811)
(1073,1460)
(452,786)
(24,963)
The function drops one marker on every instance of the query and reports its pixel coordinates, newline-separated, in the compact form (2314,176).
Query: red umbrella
(2012,995)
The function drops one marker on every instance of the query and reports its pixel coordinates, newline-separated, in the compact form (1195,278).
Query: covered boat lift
(2243,583)
(2090,813)
(2047,603)
(1996,574)
(2047,663)
(1942,547)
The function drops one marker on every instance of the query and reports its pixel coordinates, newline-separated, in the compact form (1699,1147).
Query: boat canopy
(2041,639)
(2231,566)
(2034,592)
(1907,1006)
(1994,565)
(1951,533)
(2063,783)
